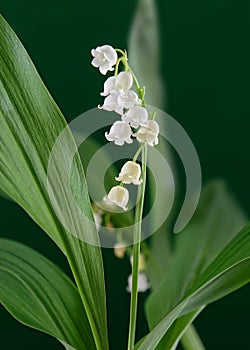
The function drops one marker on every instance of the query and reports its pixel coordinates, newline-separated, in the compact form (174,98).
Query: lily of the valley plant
(180,280)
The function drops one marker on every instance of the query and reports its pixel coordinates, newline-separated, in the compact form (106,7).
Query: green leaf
(228,272)
(30,123)
(87,150)
(144,52)
(216,221)
(177,330)
(38,294)
(191,340)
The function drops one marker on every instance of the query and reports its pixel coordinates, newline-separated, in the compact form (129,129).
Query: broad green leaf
(87,150)
(2,194)
(191,340)
(174,334)
(30,124)
(216,221)
(228,272)
(38,294)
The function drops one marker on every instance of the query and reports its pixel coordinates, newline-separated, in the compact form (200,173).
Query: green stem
(117,65)
(138,152)
(191,340)
(136,252)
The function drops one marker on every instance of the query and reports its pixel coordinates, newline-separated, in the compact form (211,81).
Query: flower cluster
(134,119)
(134,122)
(125,102)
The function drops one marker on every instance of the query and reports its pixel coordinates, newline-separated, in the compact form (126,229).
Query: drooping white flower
(119,196)
(119,250)
(119,95)
(117,84)
(124,81)
(148,132)
(143,283)
(130,173)
(128,99)
(111,104)
(136,116)
(119,132)
(109,86)
(105,58)
(117,102)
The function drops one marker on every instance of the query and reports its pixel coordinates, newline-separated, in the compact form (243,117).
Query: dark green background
(205,64)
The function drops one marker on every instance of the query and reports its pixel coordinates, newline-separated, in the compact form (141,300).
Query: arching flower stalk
(134,122)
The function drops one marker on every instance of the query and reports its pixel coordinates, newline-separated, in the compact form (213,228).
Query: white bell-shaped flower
(111,104)
(119,196)
(143,283)
(117,84)
(128,99)
(130,173)
(124,81)
(119,250)
(136,116)
(105,58)
(117,102)
(119,132)
(148,133)
(119,95)
(109,86)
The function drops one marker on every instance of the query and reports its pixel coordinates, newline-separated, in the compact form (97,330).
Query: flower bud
(142,263)
(119,250)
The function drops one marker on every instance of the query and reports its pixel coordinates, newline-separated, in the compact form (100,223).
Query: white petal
(93,52)
(124,81)
(128,99)
(119,196)
(109,53)
(120,132)
(111,104)
(106,58)
(119,142)
(130,173)
(152,124)
(128,140)
(148,133)
(109,137)
(104,68)
(136,116)
(119,250)
(143,284)
(109,86)
(97,61)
